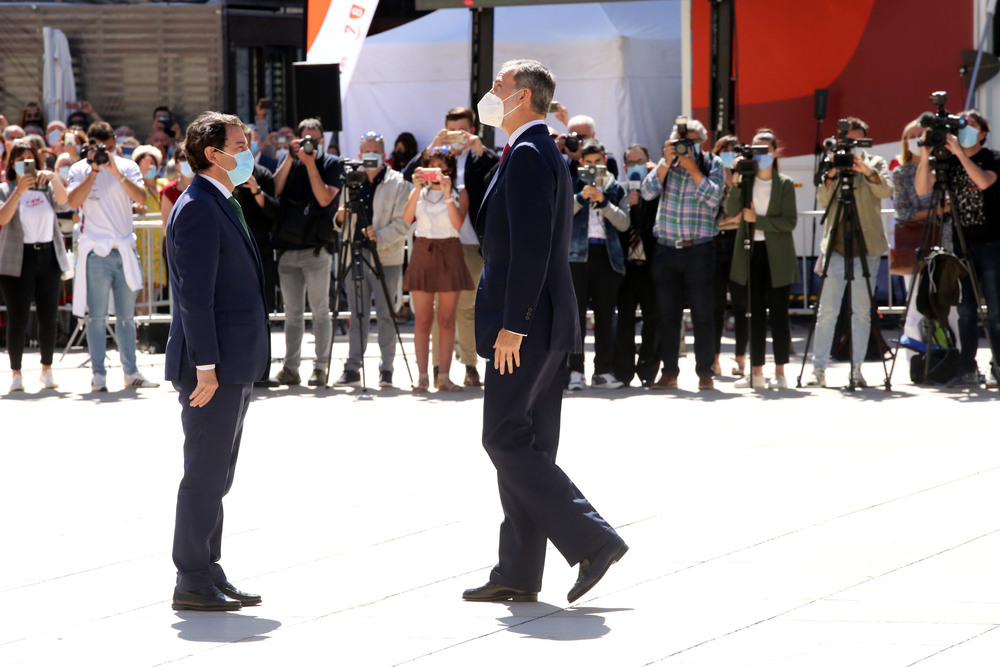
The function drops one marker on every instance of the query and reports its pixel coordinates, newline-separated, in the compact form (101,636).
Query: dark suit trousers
(637,288)
(521,413)
(211,445)
(596,283)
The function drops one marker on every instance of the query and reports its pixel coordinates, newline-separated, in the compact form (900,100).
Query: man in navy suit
(527,324)
(219,344)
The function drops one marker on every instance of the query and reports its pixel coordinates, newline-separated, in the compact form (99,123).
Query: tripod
(935,221)
(846,220)
(352,255)
(746,201)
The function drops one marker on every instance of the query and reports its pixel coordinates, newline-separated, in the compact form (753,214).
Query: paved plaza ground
(804,527)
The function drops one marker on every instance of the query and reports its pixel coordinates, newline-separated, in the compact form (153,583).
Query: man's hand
(251,184)
(860,167)
(591,193)
(208,384)
(440,139)
(633,198)
(953,145)
(562,115)
(474,143)
(305,158)
(112,167)
(369,233)
(507,353)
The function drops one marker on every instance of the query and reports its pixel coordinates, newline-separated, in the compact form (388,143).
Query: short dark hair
(208,130)
(592,147)
(638,147)
(725,142)
(101,131)
(854,123)
(980,119)
(445,154)
(21,146)
(309,124)
(537,78)
(160,108)
(460,113)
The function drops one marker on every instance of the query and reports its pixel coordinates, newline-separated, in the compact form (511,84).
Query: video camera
(939,125)
(748,165)
(308,145)
(592,174)
(354,175)
(100,153)
(682,144)
(840,150)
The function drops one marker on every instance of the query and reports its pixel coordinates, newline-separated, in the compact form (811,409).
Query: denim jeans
(384,314)
(829,309)
(986,260)
(684,277)
(303,272)
(105,276)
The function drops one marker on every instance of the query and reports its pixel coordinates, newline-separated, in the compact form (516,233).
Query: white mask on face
(914,147)
(491,111)
(280,155)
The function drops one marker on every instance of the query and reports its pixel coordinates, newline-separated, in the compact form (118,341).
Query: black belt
(677,245)
(39,246)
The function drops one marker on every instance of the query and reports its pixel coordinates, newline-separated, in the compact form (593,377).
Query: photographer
(383,194)
(872,184)
(976,204)
(637,287)
(772,268)
(307,184)
(578,130)
(105,186)
(689,184)
(596,260)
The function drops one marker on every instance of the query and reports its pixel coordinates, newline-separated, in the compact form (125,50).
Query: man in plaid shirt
(690,185)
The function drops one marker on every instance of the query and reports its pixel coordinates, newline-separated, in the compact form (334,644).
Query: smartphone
(455,137)
(283,140)
(266,104)
(69,138)
(553,106)
(75,106)
(29,168)
(430,175)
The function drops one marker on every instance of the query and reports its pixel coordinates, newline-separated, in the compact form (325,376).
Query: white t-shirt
(36,216)
(595,224)
(107,210)
(761,200)
(432,218)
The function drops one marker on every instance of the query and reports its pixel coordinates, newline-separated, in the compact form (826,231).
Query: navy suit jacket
(524,228)
(217,284)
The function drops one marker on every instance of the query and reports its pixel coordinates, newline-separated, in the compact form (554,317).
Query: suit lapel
(234,219)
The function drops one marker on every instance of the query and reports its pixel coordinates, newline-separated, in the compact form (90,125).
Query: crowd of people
(673,228)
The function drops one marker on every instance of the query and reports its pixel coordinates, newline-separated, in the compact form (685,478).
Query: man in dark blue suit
(527,324)
(219,344)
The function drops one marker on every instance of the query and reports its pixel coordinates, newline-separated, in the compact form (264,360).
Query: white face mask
(914,147)
(280,155)
(491,111)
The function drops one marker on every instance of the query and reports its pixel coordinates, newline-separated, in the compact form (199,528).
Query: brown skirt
(437,265)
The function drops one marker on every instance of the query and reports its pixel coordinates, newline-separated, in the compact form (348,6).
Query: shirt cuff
(206,367)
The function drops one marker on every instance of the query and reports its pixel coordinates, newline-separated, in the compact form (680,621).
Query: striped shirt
(687,212)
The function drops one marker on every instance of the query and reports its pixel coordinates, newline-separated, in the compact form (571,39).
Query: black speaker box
(317,93)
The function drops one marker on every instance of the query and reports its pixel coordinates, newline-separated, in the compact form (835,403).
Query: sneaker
(47,380)
(137,381)
(575,381)
(318,378)
(385,379)
(17,383)
(287,376)
(665,382)
(750,381)
(817,379)
(349,378)
(965,379)
(778,382)
(606,381)
(857,379)
(99,382)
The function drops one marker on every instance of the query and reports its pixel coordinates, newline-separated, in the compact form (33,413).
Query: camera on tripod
(354,176)
(840,150)
(100,153)
(308,145)
(682,144)
(748,165)
(939,125)
(592,174)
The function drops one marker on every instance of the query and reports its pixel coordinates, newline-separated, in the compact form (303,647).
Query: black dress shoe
(596,566)
(492,592)
(209,598)
(247,599)
(266,384)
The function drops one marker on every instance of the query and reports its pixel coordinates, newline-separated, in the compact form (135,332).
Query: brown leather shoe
(472,377)
(705,381)
(665,382)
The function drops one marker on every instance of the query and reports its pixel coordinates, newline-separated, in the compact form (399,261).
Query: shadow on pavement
(547,621)
(222,627)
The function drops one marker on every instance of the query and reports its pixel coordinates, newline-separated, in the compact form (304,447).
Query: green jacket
(777,226)
(868,197)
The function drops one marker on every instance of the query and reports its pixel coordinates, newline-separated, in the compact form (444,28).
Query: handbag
(904,253)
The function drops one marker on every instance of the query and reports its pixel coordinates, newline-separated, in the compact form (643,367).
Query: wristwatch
(258,192)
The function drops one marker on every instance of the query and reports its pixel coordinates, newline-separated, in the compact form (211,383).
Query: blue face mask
(637,172)
(372,156)
(764,161)
(54,137)
(968,136)
(150,173)
(243,169)
(253,147)
(727,158)
(186,170)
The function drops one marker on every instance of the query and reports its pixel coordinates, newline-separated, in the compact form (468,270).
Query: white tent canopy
(618,62)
